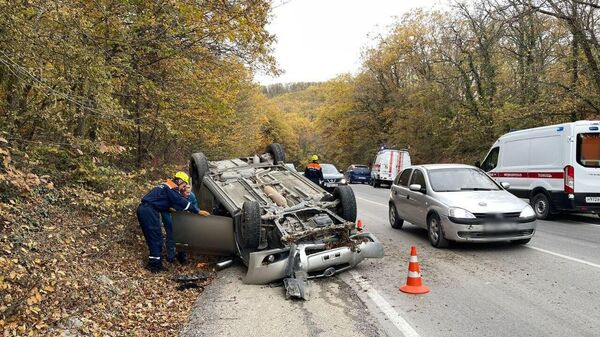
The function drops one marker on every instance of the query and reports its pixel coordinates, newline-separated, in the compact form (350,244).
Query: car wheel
(541,206)
(276,151)
(346,208)
(521,241)
(376,183)
(395,220)
(435,232)
(198,168)
(249,226)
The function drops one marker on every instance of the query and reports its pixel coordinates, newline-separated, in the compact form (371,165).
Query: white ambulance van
(556,167)
(387,164)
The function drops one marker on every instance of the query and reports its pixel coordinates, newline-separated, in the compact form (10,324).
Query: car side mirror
(478,164)
(505,185)
(415,188)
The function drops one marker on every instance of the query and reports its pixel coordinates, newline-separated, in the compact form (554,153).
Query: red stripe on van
(546,175)
(391,163)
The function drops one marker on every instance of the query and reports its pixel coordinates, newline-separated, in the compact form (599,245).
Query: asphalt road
(549,287)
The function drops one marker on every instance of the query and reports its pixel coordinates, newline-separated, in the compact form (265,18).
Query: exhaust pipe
(224,264)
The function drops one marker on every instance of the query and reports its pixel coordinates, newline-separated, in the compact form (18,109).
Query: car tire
(249,226)
(198,168)
(376,183)
(276,151)
(346,208)
(521,241)
(395,220)
(435,232)
(541,206)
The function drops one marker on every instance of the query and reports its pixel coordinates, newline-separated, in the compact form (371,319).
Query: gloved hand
(203,213)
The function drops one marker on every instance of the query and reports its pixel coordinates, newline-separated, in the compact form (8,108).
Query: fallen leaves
(72,262)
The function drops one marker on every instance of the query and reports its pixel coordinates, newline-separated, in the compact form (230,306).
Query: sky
(320,39)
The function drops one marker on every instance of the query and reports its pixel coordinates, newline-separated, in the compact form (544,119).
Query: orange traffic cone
(413,281)
(359,226)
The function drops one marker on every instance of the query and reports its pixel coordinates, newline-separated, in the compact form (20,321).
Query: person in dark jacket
(313,170)
(160,199)
(167,221)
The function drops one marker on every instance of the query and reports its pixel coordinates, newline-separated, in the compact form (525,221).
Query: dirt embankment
(72,258)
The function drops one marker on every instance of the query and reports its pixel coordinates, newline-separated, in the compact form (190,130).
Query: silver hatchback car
(459,203)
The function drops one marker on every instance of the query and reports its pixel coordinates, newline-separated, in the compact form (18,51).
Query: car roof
(441,166)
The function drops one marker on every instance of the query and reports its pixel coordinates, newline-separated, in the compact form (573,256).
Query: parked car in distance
(556,167)
(332,177)
(459,203)
(387,164)
(356,173)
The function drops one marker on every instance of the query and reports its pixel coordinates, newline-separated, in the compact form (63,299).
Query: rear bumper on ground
(487,232)
(314,259)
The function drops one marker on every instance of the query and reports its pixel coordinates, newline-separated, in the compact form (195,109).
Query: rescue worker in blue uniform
(168,224)
(159,199)
(313,170)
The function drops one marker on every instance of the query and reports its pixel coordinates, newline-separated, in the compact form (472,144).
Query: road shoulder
(228,307)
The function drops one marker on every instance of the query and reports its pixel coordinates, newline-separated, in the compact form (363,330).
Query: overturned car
(280,224)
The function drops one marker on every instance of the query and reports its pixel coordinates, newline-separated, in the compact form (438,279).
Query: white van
(387,164)
(556,167)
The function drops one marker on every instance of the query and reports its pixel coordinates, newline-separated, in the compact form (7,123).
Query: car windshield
(329,169)
(460,179)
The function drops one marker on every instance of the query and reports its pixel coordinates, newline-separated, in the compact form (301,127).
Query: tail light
(569,179)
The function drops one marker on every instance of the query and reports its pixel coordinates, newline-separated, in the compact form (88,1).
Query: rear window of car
(588,149)
(403,177)
(361,169)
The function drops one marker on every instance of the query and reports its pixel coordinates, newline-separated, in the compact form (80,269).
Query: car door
(399,192)
(210,235)
(416,203)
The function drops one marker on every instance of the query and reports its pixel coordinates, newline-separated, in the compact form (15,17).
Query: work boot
(181,257)
(155,266)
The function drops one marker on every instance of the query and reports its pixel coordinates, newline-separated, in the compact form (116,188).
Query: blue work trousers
(149,220)
(168,223)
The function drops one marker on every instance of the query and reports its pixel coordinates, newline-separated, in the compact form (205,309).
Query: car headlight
(527,212)
(460,213)
(343,181)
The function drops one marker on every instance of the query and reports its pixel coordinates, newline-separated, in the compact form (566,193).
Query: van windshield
(588,149)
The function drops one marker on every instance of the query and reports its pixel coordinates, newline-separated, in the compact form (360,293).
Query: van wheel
(435,232)
(395,220)
(376,183)
(541,206)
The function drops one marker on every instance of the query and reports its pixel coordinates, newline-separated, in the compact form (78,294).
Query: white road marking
(564,256)
(373,202)
(400,323)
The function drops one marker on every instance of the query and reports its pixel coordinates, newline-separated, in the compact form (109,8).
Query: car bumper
(488,232)
(313,259)
(579,202)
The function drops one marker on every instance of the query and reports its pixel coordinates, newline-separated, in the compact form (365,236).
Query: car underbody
(280,224)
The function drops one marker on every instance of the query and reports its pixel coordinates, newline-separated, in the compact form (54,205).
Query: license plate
(592,200)
(331,184)
(361,178)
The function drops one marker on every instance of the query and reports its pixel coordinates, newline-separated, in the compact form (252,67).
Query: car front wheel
(435,232)
(395,220)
